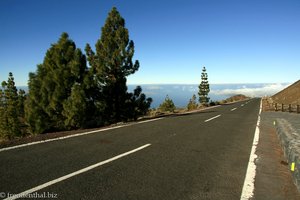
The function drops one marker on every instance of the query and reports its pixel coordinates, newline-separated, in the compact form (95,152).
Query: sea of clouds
(252,91)
(181,93)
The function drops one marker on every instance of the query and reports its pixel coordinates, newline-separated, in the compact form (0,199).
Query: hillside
(289,95)
(238,97)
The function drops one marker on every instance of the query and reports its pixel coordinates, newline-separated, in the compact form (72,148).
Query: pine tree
(35,115)
(3,116)
(10,125)
(64,65)
(167,105)
(3,132)
(111,64)
(137,104)
(21,103)
(204,88)
(192,105)
(75,108)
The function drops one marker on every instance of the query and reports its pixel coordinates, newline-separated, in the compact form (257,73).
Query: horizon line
(194,83)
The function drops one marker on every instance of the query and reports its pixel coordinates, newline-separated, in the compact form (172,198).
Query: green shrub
(167,105)
(192,105)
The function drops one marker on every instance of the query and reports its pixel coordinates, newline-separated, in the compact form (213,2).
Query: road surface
(196,156)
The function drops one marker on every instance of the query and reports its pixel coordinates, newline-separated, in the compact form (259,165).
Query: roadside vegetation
(192,105)
(204,88)
(72,90)
(167,106)
(11,110)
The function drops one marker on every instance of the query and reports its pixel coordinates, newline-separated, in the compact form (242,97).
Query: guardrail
(286,108)
(271,105)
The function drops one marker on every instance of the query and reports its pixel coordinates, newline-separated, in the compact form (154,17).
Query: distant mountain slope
(289,95)
(238,97)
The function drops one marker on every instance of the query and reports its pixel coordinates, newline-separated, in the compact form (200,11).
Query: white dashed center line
(233,109)
(212,118)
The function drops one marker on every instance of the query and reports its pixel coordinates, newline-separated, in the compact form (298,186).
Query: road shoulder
(273,179)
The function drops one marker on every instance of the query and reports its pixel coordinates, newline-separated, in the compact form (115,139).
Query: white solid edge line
(248,187)
(59,138)
(233,109)
(25,193)
(150,120)
(212,118)
(75,135)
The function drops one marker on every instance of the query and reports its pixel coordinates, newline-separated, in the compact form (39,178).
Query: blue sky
(239,41)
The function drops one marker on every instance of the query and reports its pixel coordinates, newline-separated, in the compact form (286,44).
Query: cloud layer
(181,93)
(260,91)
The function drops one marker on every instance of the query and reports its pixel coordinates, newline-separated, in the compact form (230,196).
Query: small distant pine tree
(168,105)
(192,105)
(204,88)
(10,125)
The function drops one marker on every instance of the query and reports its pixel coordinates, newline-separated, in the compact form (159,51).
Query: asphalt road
(197,156)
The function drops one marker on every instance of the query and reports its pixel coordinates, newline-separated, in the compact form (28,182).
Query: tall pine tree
(204,88)
(51,86)
(111,64)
